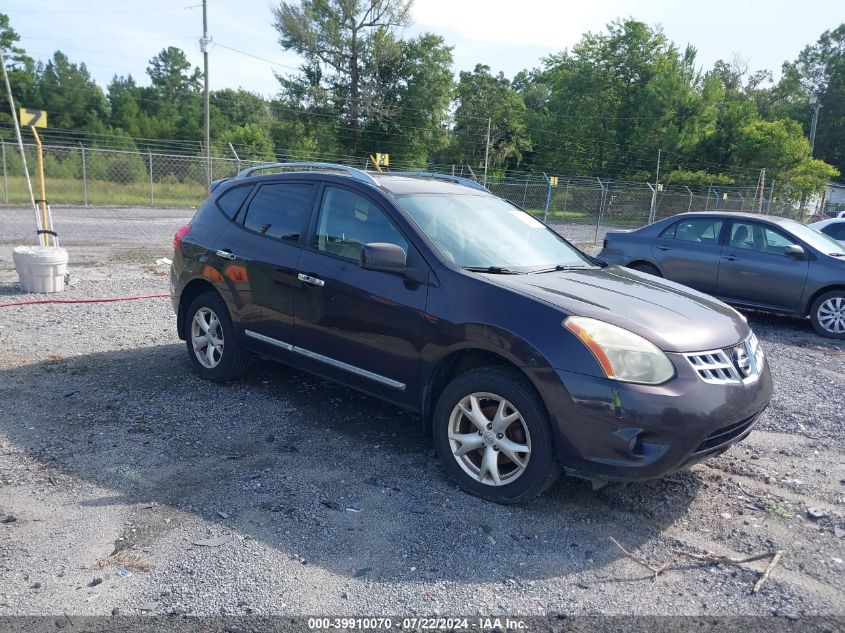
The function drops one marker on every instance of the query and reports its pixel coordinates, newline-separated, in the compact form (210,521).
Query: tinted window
(280,210)
(348,221)
(230,202)
(836,231)
(704,230)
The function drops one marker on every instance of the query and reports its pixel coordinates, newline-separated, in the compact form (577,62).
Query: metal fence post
(689,206)
(548,196)
(152,193)
(601,209)
(771,193)
(237,158)
(651,210)
(707,203)
(84,177)
(566,195)
(524,194)
(5,177)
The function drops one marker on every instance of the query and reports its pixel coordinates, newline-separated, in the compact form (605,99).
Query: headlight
(622,355)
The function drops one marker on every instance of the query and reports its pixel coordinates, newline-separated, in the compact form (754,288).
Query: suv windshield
(482,232)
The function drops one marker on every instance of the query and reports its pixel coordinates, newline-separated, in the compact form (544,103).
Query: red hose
(105,300)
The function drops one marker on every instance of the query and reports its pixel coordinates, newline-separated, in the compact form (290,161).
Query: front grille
(726,435)
(737,364)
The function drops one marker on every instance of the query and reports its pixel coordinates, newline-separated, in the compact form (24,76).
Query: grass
(103,192)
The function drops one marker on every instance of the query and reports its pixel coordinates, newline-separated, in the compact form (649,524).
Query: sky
(120,36)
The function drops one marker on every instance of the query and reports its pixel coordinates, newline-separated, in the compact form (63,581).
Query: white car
(833,227)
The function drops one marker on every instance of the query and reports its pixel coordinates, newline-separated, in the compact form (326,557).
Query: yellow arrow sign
(33,118)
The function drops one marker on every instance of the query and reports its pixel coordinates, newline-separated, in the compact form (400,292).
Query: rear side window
(280,210)
(704,231)
(230,202)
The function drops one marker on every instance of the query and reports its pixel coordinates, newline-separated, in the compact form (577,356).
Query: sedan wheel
(489,439)
(492,433)
(828,314)
(832,315)
(207,338)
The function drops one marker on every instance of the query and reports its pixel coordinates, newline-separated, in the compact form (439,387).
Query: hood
(672,316)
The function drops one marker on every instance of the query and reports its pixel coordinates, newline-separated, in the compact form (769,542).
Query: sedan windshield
(815,238)
(486,233)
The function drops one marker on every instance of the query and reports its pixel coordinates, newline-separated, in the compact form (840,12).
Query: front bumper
(615,431)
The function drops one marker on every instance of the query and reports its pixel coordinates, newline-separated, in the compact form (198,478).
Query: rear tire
(645,267)
(827,314)
(214,349)
(492,433)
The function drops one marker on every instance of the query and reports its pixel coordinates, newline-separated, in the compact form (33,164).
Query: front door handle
(730,258)
(664,248)
(225,253)
(312,281)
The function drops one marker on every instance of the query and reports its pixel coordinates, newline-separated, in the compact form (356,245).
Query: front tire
(492,433)
(214,349)
(827,314)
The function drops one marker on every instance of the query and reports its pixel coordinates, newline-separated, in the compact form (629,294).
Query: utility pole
(487,150)
(762,189)
(204,48)
(814,101)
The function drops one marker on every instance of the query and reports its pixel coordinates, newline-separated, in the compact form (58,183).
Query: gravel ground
(128,485)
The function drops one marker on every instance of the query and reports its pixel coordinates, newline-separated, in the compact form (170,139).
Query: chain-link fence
(583,208)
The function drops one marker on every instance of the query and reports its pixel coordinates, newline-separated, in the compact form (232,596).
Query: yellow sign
(660,187)
(33,118)
(724,196)
(383,160)
(553,181)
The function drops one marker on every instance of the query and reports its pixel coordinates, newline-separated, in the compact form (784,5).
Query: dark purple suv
(522,355)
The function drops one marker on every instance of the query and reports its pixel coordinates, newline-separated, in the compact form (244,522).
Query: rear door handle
(730,258)
(225,253)
(664,248)
(312,281)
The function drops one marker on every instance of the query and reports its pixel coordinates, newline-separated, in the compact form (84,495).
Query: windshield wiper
(557,268)
(837,254)
(495,270)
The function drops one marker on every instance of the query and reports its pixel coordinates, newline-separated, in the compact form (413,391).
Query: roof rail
(352,172)
(466,182)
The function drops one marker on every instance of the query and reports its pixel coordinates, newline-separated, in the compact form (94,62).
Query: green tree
(416,84)
(820,71)
(340,34)
(71,97)
(20,67)
(481,96)
(171,74)
(781,147)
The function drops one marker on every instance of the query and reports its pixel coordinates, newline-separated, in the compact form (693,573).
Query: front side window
(348,220)
(836,230)
(280,210)
(756,237)
(481,231)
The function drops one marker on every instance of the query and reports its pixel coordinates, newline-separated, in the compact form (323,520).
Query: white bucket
(41,268)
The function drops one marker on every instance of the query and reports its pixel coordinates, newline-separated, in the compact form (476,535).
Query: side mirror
(387,258)
(795,250)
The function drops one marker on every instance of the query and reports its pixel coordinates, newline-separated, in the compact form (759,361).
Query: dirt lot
(127,485)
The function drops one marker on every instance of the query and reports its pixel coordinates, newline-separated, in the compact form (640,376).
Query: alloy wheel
(489,439)
(831,315)
(207,338)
